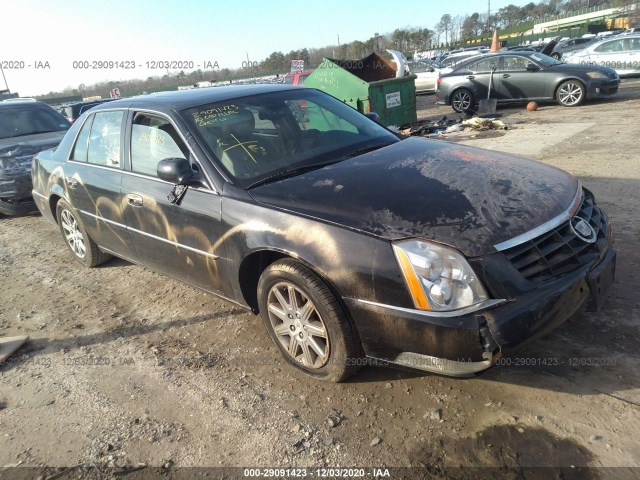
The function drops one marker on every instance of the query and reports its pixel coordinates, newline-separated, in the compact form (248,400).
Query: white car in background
(621,52)
(427,72)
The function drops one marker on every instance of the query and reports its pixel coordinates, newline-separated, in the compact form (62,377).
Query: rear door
(515,82)
(93,175)
(179,240)
(479,75)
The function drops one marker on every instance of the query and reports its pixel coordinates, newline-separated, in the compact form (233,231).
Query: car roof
(21,102)
(181,99)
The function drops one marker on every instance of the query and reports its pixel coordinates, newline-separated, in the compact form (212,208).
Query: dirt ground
(127,367)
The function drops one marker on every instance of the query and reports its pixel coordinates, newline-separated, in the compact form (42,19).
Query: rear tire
(83,248)
(462,100)
(307,323)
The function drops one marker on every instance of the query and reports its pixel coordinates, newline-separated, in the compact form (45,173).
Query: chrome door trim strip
(145,234)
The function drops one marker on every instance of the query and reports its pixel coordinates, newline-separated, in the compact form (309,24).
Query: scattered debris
(436,414)
(389,385)
(375,442)
(595,438)
(446,125)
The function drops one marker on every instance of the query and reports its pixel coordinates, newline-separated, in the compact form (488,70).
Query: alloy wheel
(570,93)
(461,101)
(298,325)
(72,234)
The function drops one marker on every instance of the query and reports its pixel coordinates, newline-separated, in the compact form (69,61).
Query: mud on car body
(349,242)
(26,127)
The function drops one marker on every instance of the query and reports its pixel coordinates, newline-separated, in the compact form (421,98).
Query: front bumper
(468,343)
(603,88)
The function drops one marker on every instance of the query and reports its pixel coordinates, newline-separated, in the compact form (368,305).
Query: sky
(38,49)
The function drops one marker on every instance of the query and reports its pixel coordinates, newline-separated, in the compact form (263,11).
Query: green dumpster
(368,85)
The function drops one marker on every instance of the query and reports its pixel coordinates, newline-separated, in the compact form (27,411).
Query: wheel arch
(256,262)
(565,79)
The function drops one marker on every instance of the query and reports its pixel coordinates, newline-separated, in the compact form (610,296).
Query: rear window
(22,120)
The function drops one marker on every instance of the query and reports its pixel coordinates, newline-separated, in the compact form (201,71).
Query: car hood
(468,198)
(16,155)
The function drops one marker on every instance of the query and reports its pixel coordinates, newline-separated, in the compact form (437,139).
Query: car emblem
(583,230)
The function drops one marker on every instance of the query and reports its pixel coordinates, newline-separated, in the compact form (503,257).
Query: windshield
(21,120)
(265,136)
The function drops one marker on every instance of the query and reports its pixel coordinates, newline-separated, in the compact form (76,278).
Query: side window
(484,65)
(608,47)
(634,44)
(104,140)
(153,139)
(515,63)
(80,148)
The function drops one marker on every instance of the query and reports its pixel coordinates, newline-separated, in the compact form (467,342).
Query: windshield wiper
(291,172)
(363,150)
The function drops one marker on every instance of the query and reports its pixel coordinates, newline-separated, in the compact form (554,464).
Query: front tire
(571,93)
(462,100)
(83,248)
(307,323)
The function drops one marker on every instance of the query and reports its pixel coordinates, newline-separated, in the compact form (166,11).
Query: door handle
(73,183)
(471,77)
(134,200)
(506,75)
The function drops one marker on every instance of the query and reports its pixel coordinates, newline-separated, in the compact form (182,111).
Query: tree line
(447,31)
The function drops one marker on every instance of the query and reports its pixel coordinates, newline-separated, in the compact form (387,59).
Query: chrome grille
(559,251)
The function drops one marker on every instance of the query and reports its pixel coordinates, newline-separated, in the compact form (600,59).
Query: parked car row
(348,240)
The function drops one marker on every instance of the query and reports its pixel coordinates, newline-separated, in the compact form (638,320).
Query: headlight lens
(597,75)
(439,278)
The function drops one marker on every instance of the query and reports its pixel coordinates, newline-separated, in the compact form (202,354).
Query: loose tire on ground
(307,323)
(82,247)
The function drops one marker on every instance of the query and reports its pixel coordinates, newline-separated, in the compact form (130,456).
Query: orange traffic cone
(495,45)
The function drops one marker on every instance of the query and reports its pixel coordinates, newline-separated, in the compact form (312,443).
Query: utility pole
(8,90)
(489,16)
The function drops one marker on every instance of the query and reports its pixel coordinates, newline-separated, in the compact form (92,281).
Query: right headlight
(438,278)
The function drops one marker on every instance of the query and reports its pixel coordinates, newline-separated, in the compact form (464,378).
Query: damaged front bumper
(15,176)
(15,185)
(462,344)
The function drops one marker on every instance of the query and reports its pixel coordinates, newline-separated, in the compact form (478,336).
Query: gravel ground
(128,368)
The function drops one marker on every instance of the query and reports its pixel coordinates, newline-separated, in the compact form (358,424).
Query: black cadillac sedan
(351,243)
(521,77)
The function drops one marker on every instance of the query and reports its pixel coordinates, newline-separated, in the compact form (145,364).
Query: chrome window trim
(129,229)
(450,314)
(164,115)
(147,177)
(95,165)
(545,227)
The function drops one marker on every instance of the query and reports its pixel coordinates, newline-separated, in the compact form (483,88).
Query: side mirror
(373,116)
(532,67)
(175,170)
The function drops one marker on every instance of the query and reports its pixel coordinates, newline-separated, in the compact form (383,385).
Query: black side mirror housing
(532,67)
(175,170)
